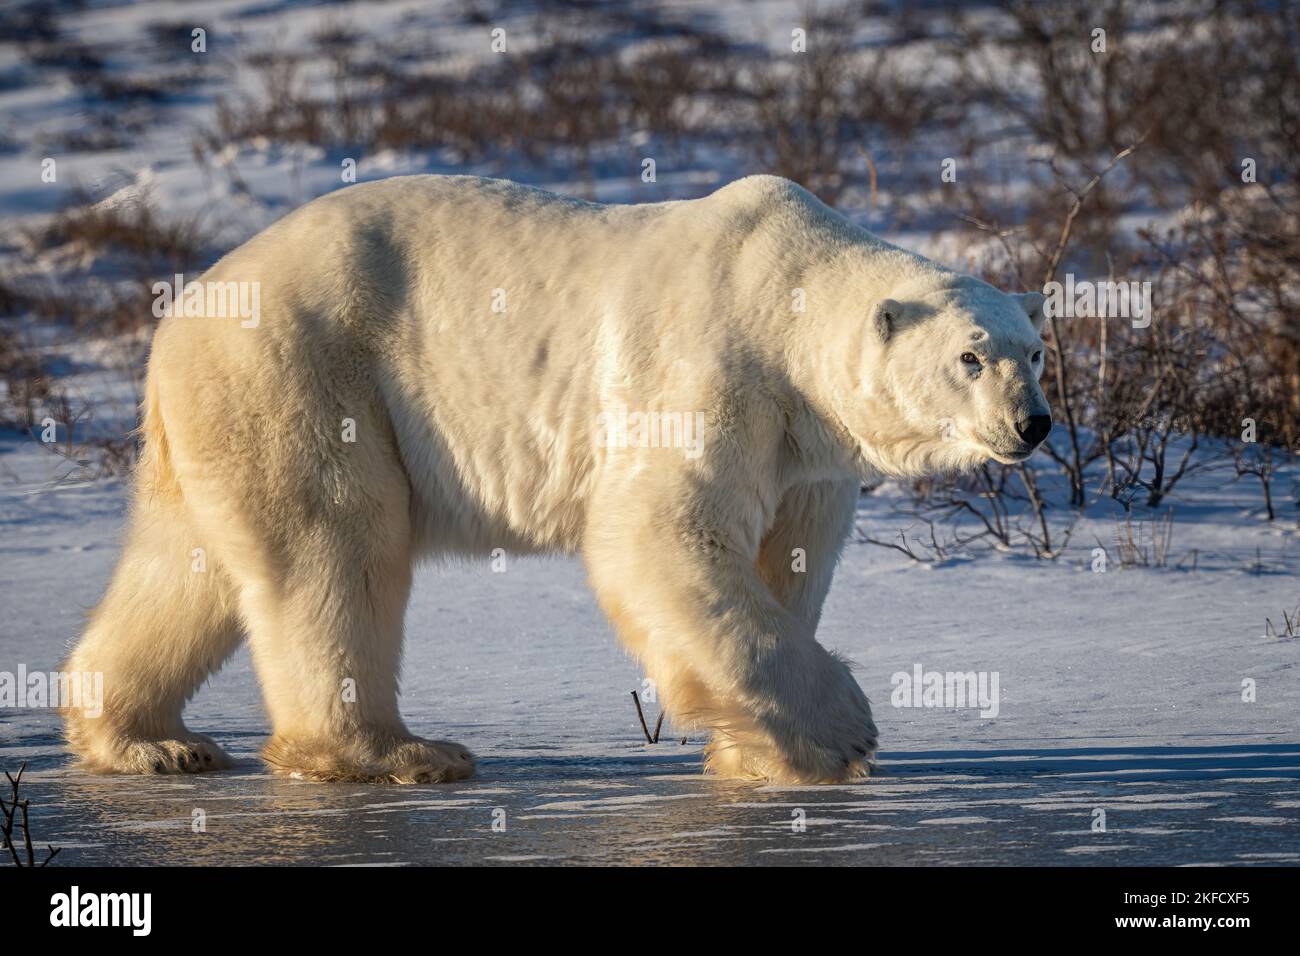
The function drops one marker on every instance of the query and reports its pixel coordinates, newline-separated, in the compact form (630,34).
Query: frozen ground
(1120,691)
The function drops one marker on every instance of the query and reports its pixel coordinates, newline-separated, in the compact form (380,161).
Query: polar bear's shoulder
(781,206)
(765,191)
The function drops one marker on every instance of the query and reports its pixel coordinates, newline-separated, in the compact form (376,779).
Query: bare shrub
(15,814)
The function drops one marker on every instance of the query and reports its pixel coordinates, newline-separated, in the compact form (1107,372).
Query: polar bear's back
(479,219)
(426,212)
(447,243)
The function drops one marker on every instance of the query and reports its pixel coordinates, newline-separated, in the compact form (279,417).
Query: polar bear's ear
(886,319)
(1033,306)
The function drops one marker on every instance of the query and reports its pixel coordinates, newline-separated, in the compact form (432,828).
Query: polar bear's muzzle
(1030,432)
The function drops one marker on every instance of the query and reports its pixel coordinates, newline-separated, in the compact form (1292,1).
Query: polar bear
(448,365)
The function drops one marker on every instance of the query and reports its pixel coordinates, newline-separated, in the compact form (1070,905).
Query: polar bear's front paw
(825,734)
(754,756)
(835,739)
(840,740)
(407,760)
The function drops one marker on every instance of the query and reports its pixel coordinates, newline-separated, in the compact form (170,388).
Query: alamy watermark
(617,427)
(82,691)
(952,690)
(130,910)
(209,300)
(1099,300)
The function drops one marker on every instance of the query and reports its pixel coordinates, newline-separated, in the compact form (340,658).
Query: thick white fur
(475,430)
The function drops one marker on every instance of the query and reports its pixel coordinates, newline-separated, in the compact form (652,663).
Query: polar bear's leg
(798,555)
(327,649)
(678,573)
(325,610)
(167,622)
(799,552)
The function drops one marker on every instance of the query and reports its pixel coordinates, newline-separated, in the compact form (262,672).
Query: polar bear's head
(949,378)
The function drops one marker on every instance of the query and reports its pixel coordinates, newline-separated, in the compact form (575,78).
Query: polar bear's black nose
(1034,429)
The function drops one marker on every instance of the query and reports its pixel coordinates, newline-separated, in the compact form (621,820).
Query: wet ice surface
(1119,692)
(1166,804)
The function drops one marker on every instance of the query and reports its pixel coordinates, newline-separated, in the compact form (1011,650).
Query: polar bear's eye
(1037,356)
(970,358)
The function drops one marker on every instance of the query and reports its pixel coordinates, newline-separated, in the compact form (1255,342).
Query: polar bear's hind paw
(404,762)
(193,754)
